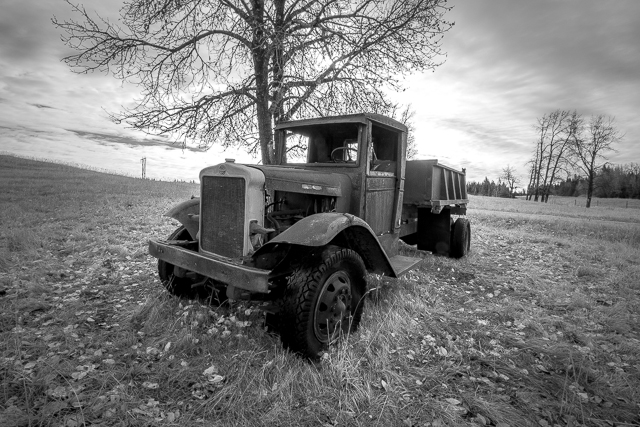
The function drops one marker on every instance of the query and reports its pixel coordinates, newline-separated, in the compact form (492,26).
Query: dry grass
(539,326)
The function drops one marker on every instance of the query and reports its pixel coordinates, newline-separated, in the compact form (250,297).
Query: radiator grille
(222,215)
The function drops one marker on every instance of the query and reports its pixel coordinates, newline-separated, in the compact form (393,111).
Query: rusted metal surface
(402,264)
(365,205)
(223,215)
(217,268)
(318,230)
(187,213)
(350,118)
(232,196)
(321,229)
(428,183)
(379,204)
(303,181)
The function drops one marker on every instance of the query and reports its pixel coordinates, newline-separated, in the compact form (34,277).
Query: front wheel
(322,301)
(178,286)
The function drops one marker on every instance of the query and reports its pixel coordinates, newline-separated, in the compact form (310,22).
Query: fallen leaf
(58,392)
(78,375)
(53,408)
(211,370)
(215,379)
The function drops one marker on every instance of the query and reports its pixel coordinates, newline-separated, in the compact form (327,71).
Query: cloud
(106,139)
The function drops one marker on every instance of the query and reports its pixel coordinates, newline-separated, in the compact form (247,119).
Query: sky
(508,63)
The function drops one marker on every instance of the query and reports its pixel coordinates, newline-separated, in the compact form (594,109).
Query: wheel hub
(333,309)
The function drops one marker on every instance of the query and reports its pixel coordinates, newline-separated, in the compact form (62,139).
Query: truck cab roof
(348,118)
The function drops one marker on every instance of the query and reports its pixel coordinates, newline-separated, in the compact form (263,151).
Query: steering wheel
(347,149)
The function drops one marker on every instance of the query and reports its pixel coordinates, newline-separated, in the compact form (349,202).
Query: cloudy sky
(508,63)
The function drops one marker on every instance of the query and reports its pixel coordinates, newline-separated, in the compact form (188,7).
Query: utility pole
(144,167)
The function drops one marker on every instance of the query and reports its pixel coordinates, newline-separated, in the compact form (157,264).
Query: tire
(460,238)
(178,286)
(323,300)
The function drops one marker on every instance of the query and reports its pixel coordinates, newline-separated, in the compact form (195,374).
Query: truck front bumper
(215,267)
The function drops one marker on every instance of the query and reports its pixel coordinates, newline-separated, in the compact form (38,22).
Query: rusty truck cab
(369,149)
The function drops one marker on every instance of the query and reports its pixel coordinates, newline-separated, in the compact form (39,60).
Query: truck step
(402,264)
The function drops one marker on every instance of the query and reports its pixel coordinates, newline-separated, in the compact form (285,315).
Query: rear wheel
(460,238)
(180,285)
(323,300)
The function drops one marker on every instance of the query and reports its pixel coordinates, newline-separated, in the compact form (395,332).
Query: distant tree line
(618,181)
(505,187)
(488,188)
(569,145)
(611,181)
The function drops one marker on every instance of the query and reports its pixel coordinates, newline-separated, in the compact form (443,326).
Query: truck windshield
(323,144)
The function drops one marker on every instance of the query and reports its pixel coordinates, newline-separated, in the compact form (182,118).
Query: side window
(297,146)
(384,155)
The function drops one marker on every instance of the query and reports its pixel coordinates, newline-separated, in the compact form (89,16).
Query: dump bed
(430,184)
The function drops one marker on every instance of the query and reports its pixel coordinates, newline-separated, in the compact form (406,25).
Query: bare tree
(406,116)
(509,178)
(563,135)
(226,71)
(535,165)
(557,130)
(590,147)
(542,148)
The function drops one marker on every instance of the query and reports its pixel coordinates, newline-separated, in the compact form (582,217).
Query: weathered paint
(317,230)
(299,180)
(320,229)
(187,213)
(219,234)
(213,266)
(428,183)
(379,204)
(350,118)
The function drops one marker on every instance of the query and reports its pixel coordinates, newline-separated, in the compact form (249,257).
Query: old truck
(304,234)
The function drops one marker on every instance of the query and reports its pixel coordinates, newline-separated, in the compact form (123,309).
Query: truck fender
(340,228)
(188,214)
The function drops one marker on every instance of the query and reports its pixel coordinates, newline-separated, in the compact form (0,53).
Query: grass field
(596,202)
(539,326)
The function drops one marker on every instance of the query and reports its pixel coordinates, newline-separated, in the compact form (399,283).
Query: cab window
(323,144)
(384,154)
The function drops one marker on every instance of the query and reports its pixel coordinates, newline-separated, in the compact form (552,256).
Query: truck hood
(307,181)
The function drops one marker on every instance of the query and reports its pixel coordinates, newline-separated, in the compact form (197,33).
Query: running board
(402,264)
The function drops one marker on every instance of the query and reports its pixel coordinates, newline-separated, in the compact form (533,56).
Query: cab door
(384,184)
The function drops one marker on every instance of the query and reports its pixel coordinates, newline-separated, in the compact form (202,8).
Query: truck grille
(222,215)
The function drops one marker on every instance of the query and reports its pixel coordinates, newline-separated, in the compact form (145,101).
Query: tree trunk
(261,69)
(277,65)
(530,185)
(589,189)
